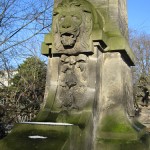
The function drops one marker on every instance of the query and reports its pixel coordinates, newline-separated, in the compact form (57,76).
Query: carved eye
(77,5)
(87,11)
(55,13)
(75,18)
(62,18)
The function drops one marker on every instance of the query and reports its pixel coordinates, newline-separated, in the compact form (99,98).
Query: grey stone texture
(89,82)
(113,11)
(107,23)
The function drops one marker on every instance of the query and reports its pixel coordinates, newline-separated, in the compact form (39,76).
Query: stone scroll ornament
(72,26)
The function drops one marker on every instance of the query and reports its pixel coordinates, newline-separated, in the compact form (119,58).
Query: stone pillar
(89,82)
(115,15)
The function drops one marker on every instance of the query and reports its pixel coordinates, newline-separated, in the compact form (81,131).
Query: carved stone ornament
(72,26)
(72,82)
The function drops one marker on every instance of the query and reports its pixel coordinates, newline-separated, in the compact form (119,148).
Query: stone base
(46,137)
(116,132)
(109,144)
(103,124)
(55,137)
(70,138)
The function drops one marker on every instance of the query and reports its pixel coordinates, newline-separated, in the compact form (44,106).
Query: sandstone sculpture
(89,83)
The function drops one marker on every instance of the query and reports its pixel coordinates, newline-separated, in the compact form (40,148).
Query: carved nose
(66,25)
(67,22)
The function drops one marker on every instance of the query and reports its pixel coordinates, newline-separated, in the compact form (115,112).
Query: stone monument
(88,102)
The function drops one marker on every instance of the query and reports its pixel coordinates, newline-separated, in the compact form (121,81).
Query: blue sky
(139,15)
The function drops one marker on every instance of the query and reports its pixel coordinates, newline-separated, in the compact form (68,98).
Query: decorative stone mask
(72,26)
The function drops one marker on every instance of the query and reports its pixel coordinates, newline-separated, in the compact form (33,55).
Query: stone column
(89,81)
(88,101)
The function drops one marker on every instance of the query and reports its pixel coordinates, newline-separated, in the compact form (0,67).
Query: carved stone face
(69,24)
(72,27)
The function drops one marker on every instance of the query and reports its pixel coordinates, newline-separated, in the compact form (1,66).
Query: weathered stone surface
(55,137)
(115,106)
(115,15)
(72,27)
(72,82)
(89,81)
(116,99)
(101,21)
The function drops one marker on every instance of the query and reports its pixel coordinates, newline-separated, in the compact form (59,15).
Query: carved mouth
(68,40)
(67,34)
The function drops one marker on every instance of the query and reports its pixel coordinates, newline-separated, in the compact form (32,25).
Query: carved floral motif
(72,81)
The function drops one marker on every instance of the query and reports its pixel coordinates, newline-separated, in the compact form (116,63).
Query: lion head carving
(72,26)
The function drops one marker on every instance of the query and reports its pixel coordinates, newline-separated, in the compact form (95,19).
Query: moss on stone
(46,116)
(79,118)
(121,145)
(19,138)
(50,100)
(112,124)
(116,126)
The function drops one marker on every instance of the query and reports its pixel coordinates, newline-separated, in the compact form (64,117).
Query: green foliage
(26,91)
(30,80)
